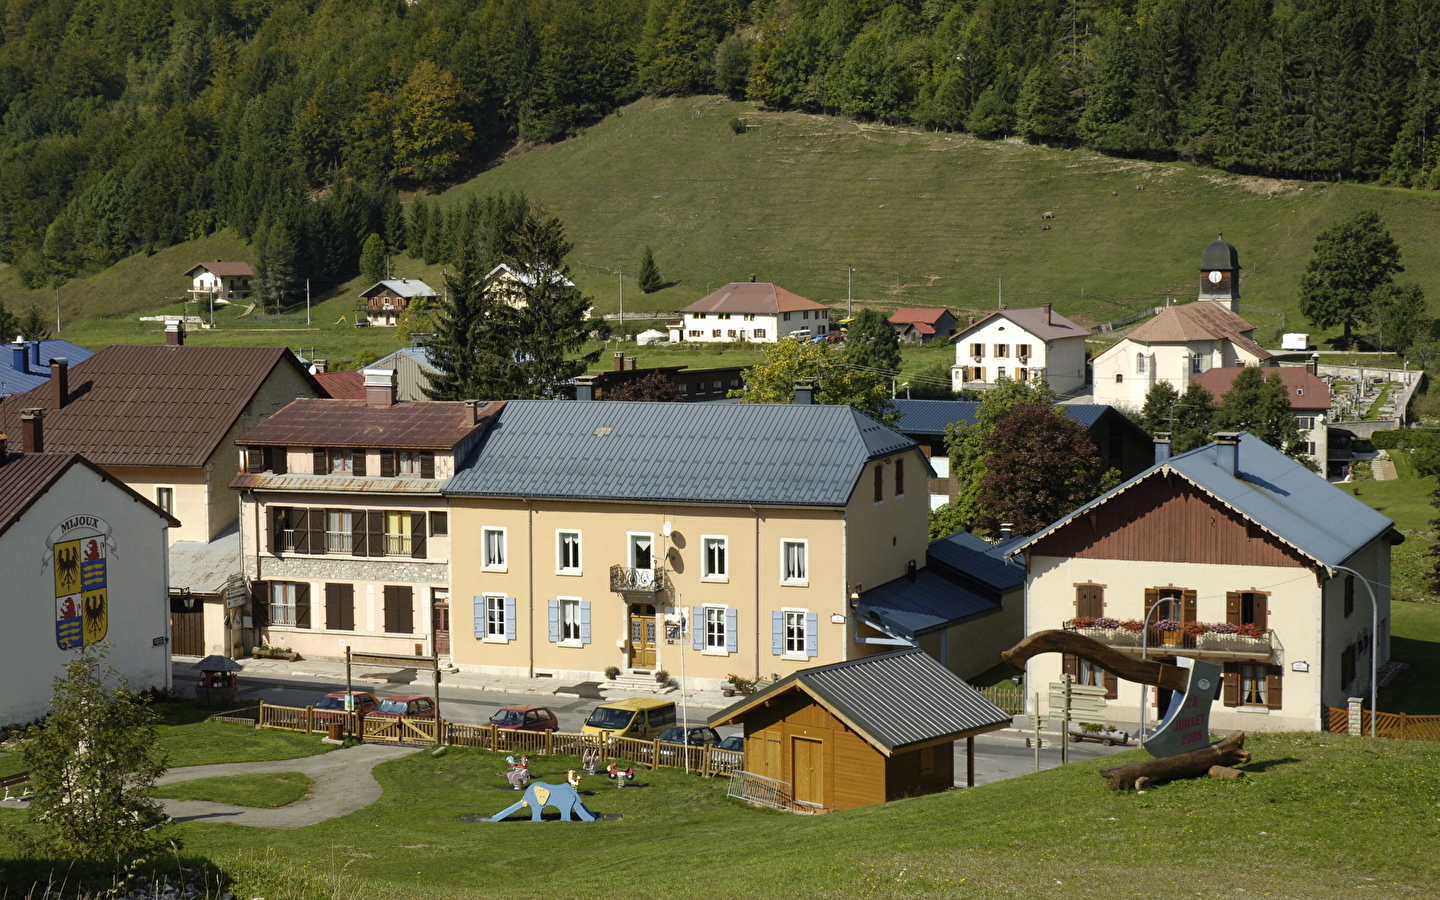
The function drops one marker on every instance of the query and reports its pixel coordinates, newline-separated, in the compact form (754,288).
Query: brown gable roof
(25,478)
(917,314)
(1306,391)
(1203,320)
(752,297)
(418,425)
(1042,322)
(223,269)
(152,406)
(348,385)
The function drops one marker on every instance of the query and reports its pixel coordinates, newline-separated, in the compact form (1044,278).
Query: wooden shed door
(440,620)
(188,630)
(807,767)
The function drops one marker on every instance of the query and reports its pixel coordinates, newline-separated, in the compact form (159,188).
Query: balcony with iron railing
(338,542)
(1194,639)
(628,580)
(397,544)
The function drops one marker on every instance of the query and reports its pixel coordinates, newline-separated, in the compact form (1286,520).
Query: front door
(642,636)
(807,766)
(188,630)
(642,559)
(440,621)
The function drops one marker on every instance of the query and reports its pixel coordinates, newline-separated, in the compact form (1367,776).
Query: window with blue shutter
(777,632)
(584,621)
(509,618)
(479,618)
(553,616)
(697,627)
(812,634)
(731,638)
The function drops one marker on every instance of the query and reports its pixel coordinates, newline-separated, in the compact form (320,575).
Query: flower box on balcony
(1233,643)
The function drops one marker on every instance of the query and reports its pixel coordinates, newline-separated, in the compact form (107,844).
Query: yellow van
(636,717)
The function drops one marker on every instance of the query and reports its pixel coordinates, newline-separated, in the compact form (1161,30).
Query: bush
(739,125)
(1386,440)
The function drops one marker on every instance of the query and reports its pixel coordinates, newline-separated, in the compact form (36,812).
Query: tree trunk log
(1087,648)
(1223,772)
(1226,753)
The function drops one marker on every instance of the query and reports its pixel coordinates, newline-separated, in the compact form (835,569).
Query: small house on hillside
(751,311)
(221,281)
(918,326)
(510,283)
(862,732)
(384,301)
(1020,345)
(1309,399)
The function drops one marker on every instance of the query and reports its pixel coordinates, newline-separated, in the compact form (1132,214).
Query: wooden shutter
(278,461)
(1231,692)
(335,607)
(302,529)
(732,629)
(1188,603)
(1152,596)
(260,603)
(1089,601)
(320,461)
(375,532)
(417,535)
(584,621)
(697,628)
(302,604)
(357,463)
(318,544)
(1070,665)
(1274,675)
(1112,687)
(899,476)
(427,464)
(509,618)
(879,484)
(1234,608)
(1262,611)
(812,634)
(387,464)
(254,460)
(552,616)
(777,633)
(478,607)
(357,533)
(399,611)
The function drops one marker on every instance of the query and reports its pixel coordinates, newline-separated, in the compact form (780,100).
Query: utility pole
(1000,301)
(57,309)
(622,300)
(849,277)
(307,300)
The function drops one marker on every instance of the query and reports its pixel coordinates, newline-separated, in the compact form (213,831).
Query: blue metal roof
(14,377)
(979,559)
(780,454)
(934,600)
(931,416)
(1273,491)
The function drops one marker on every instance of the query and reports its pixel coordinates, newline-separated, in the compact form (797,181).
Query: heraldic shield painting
(82,601)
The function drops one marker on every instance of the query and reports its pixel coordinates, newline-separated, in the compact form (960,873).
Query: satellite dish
(667,529)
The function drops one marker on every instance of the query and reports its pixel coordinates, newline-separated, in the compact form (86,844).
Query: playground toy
(591,760)
(563,797)
(519,773)
(619,775)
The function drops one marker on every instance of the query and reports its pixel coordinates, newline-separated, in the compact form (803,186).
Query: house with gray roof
(385,300)
(631,534)
(1020,345)
(413,369)
(1234,553)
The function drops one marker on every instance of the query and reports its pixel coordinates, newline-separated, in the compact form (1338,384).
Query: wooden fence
(1009,698)
(1398,726)
(305,719)
(769,792)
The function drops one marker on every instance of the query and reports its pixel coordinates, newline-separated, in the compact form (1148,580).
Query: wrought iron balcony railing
(1160,643)
(625,580)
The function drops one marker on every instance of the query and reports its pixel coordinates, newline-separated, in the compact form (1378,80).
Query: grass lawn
(1415,639)
(204,743)
(267,790)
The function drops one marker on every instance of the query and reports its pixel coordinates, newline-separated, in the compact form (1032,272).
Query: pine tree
(650,280)
(1040,113)
(34,327)
(1353,260)
(1434,550)
(372,260)
(871,341)
(9,325)
(394,224)
(418,228)
(276,277)
(551,312)
(1401,316)
(1159,408)
(473,350)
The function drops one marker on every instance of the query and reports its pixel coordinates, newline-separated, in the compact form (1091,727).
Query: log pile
(1215,761)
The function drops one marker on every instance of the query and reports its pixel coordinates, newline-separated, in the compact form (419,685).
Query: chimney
(379,387)
(174,332)
(585,387)
(630,362)
(320,366)
(35,358)
(4,449)
(474,406)
(1227,452)
(804,393)
(620,362)
(18,361)
(419,339)
(32,429)
(752,279)
(1048,319)
(60,381)
(1006,529)
(910,570)
(1162,447)
(1313,366)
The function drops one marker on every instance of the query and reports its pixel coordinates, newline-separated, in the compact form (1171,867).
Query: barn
(861,732)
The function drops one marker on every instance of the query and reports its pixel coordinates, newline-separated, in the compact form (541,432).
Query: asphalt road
(998,756)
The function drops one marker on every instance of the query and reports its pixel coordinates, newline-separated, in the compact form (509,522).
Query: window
(785,316)
(696,333)
(399,609)
(494,618)
(1247,608)
(879,483)
(1308,448)
(1119,378)
(568,552)
(1252,685)
(439,524)
(165,499)
(1089,601)
(794,565)
(339,531)
(282,603)
(977,350)
(1347,665)
(1002,351)
(730,333)
(492,548)
(1022,375)
(1349,595)
(717,562)
(900,477)
(683,388)
(570,621)
(342,462)
(805,314)
(1139,364)
(1022,351)
(749,317)
(795,632)
(699,315)
(715,333)
(725,316)
(407,462)
(715,628)
(823,314)
(642,552)
(759,332)
(397,533)
(1305,423)
(999,372)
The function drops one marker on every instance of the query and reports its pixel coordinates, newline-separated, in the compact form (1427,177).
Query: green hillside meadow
(926,218)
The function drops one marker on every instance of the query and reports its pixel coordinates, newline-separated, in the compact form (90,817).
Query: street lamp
(1144,655)
(1374,640)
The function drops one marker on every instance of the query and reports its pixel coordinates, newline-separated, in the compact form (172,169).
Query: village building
(27,365)
(919,326)
(345,532)
(691,385)
(511,284)
(1233,553)
(385,300)
(754,311)
(1123,445)
(84,558)
(221,282)
(347,384)
(1020,345)
(1309,398)
(624,534)
(412,367)
(860,732)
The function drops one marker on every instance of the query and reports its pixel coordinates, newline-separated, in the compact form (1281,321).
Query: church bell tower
(1220,274)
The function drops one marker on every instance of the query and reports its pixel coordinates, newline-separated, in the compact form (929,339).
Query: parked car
(699,736)
(735,742)
(406,705)
(328,707)
(526,718)
(636,717)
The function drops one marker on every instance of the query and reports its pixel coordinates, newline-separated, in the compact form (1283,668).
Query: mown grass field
(267,790)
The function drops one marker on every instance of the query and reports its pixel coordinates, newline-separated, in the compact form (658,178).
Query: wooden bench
(10,781)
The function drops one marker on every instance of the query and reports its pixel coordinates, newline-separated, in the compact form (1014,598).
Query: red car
(330,704)
(412,705)
(526,718)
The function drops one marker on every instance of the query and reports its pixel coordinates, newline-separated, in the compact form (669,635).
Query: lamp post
(1145,654)
(1374,640)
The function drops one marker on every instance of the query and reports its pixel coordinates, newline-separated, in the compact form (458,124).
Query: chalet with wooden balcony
(345,533)
(1234,553)
(385,300)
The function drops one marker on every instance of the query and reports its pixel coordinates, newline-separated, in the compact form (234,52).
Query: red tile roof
(25,477)
(416,425)
(752,297)
(1203,320)
(348,385)
(1306,391)
(918,315)
(223,269)
(157,405)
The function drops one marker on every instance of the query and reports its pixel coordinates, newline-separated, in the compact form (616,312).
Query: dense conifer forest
(129,125)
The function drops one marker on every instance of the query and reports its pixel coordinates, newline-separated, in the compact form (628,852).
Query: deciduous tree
(1260,406)
(871,341)
(1353,260)
(1401,316)
(654,387)
(1041,465)
(788,361)
(431,134)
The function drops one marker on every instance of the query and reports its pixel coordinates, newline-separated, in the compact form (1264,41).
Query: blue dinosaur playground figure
(539,795)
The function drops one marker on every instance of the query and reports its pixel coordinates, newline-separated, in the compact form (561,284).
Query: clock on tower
(1220,274)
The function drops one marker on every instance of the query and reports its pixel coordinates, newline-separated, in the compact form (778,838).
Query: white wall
(136,575)
(1163,362)
(1062,361)
(774,326)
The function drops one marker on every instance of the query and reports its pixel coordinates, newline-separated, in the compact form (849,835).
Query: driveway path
(343,780)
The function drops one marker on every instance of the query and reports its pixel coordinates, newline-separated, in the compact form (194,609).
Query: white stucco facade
(1002,348)
(1127,371)
(758,327)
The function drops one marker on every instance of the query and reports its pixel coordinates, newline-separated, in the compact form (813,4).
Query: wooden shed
(862,732)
